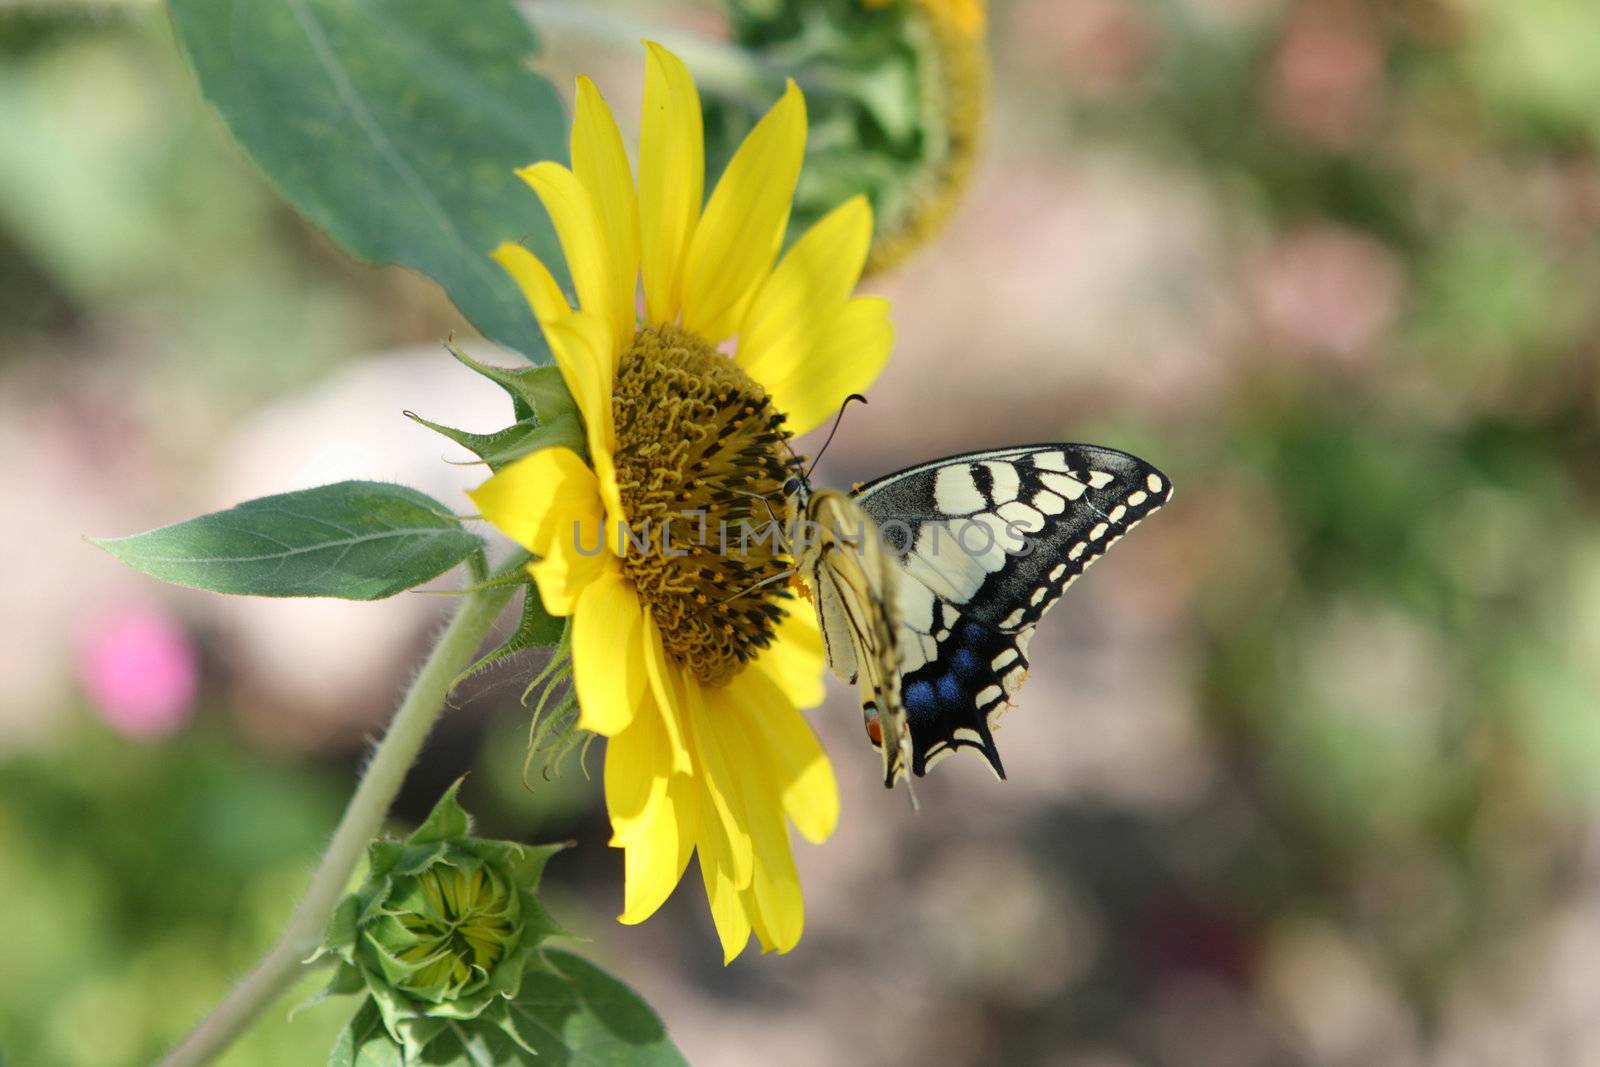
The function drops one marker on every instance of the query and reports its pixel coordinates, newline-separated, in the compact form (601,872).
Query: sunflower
(686,653)
(967,17)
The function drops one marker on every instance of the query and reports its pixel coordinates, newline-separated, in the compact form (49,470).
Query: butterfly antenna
(751,589)
(837,419)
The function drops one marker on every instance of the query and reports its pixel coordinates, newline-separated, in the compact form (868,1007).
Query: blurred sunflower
(966,17)
(685,656)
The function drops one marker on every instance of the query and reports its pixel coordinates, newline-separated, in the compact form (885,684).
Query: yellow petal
(581,344)
(567,571)
(535,280)
(777,904)
(638,766)
(806,290)
(794,660)
(656,859)
(549,502)
(601,165)
(727,907)
(669,687)
(743,224)
(534,499)
(608,655)
(577,221)
(784,746)
(720,789)
(774,890)
(671,178)
(847,358)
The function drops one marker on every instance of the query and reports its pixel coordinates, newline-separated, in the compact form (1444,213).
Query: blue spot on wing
(941,696)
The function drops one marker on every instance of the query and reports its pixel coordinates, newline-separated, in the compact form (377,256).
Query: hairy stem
(284,963)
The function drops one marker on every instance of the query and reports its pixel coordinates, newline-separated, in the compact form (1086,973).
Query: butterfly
(928,582)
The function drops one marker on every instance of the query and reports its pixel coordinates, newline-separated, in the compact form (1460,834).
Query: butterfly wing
(985,543)
(855,584)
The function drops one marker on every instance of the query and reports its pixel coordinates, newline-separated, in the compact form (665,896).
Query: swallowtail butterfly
(928,583)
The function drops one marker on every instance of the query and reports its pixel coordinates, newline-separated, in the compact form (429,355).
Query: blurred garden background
(1306,773)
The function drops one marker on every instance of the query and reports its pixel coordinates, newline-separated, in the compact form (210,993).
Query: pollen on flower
(701,461)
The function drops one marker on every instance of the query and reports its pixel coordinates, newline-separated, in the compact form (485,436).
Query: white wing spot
(1137,498)
(955,492)
(1006,482)
(941,563)
(967,733)
(1038,595)
(1005,657)
(988,695)
(1100,479)
(1065,484)
(1014,619)
(1099,531)
(1060,569)
(1117,513)
(1077,550)
(1048,502)
(1020,516)
(1055,460)
(1155,483)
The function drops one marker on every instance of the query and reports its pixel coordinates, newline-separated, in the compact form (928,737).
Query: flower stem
(284,963)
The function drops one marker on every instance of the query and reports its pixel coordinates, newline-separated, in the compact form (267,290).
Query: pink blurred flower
(140,670)
(1328,292)
(1326,82)
(1101,49)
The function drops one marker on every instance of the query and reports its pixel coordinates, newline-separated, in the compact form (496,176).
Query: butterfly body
(929,582)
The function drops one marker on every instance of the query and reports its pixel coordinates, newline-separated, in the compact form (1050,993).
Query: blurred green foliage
(141,879)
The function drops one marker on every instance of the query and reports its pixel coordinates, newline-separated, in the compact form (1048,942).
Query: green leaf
(352,540)
(576,1013)
(569,1013)
(397,127)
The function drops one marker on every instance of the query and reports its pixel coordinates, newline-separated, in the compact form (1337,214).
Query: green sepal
(536,628)
(545,414)
(519,439)
(538,393)
(339,937)
(447,820)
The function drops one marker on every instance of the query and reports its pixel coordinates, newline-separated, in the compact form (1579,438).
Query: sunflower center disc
(701,463)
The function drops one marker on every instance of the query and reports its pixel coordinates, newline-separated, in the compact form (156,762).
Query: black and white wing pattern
(986,542)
